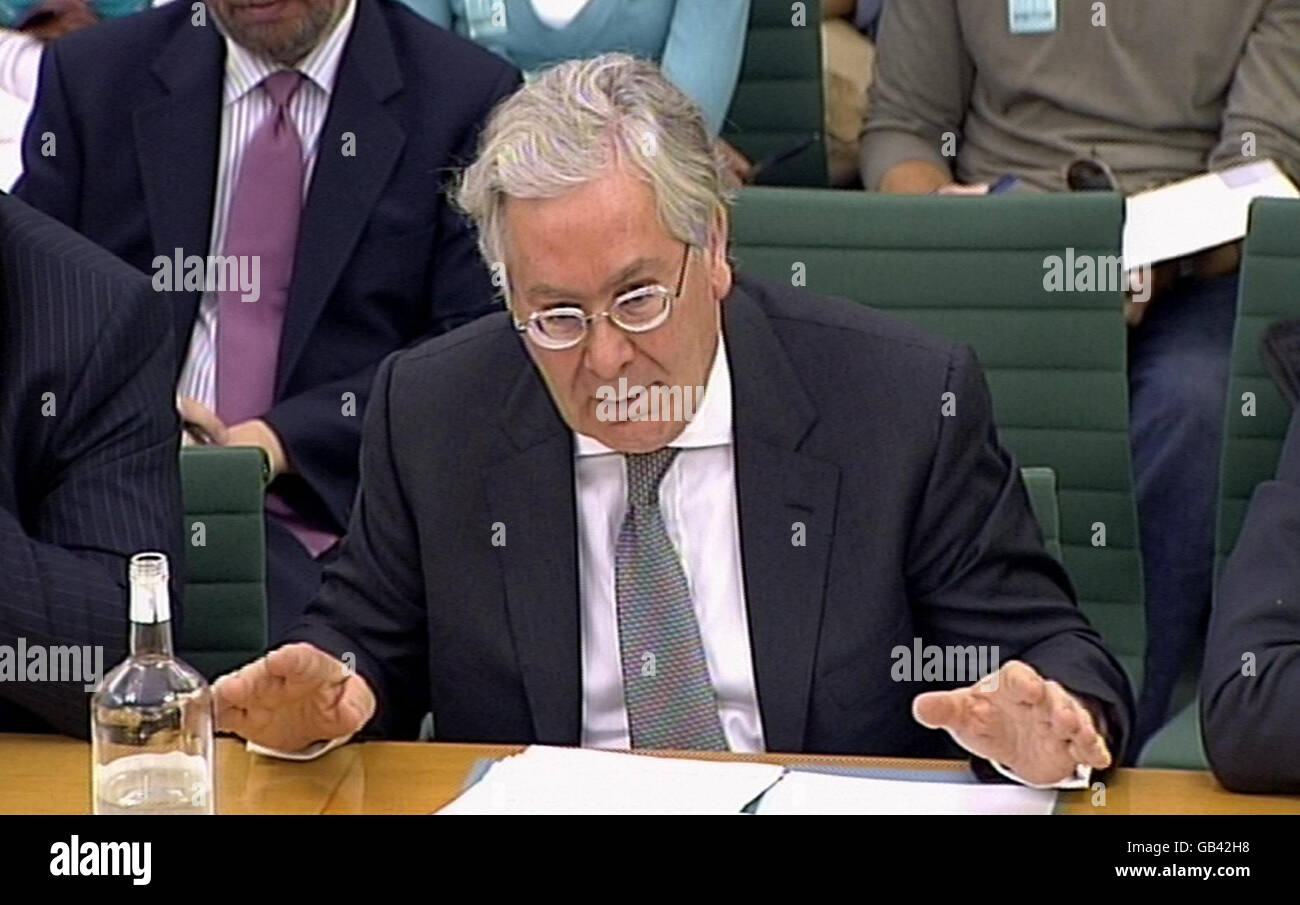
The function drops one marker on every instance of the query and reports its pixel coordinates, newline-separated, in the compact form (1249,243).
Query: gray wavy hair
(579,119)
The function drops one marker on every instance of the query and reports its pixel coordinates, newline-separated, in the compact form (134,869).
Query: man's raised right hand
(292,697)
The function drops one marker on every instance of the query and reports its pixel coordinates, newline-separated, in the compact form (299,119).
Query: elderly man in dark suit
(88,448)
(278,169)
(659,506)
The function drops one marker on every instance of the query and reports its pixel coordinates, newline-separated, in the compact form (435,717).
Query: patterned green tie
(670,700)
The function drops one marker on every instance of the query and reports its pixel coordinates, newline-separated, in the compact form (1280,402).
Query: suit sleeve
(322,444)
(1261,100)
(1250,683)
(370,604)
(979,573)
(51,180)
(702,54)
(922,87)
(109,489)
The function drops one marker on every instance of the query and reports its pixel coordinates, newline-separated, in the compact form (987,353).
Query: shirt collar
(246,70)
(711,425)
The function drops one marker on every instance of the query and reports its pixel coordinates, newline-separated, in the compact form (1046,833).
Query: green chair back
(1041,485)
(1055,361)
(1257,423)
(1178,745)
(224,624)
(778,104)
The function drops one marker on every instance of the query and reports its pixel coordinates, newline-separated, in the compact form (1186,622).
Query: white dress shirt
(243,109)
(20,65)
(698,500)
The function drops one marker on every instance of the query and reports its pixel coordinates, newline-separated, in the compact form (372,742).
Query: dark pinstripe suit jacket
(88,457)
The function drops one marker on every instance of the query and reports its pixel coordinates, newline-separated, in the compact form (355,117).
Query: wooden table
(51,775)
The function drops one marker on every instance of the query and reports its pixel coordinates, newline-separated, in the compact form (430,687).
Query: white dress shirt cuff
(311,752)
(1078,781)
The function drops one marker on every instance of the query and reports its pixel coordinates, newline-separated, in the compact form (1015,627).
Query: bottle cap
(150,601)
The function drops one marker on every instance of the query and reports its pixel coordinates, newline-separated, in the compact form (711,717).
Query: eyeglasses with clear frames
(638,311)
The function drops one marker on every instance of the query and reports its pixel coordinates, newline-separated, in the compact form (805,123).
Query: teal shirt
(698,43)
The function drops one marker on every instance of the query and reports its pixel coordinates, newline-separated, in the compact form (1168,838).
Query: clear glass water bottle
(151,717)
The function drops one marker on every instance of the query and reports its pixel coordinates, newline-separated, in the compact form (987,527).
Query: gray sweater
(1164,90)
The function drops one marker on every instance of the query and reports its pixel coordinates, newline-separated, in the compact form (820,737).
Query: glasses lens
(557,329)
(642,309)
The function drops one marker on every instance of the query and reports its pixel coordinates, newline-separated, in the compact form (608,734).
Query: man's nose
(608,349)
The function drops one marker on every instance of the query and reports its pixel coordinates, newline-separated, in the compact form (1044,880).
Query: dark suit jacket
(917,525)
(88,451)
(134,109)
(1251,722)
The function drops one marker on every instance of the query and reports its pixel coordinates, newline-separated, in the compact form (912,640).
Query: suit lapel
(344,189)
(531,493)
(176,142)
(784,496)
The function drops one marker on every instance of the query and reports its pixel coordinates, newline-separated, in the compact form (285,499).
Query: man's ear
(720,275)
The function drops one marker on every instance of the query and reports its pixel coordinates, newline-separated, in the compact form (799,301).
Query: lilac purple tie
(263,223)
(265,209)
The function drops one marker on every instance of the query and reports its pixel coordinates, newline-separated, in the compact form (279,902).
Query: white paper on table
(1198,213)
(801,792)
(546,780)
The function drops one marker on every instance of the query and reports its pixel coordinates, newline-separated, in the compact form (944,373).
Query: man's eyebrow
(631,270)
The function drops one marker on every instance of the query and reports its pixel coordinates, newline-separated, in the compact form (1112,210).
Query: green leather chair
(778,105)
(1041,485)
(224,622)
(1255,425)
(1056,361)
(1270,291)
(1178,745)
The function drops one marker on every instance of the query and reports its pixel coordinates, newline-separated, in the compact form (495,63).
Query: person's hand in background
(1145,286)
(294,696)
(204,427)
(1030,725)
(55,18)
(740,166)
(201,424)
(256,432)
(956,188)
(921,177)
(1149,284)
